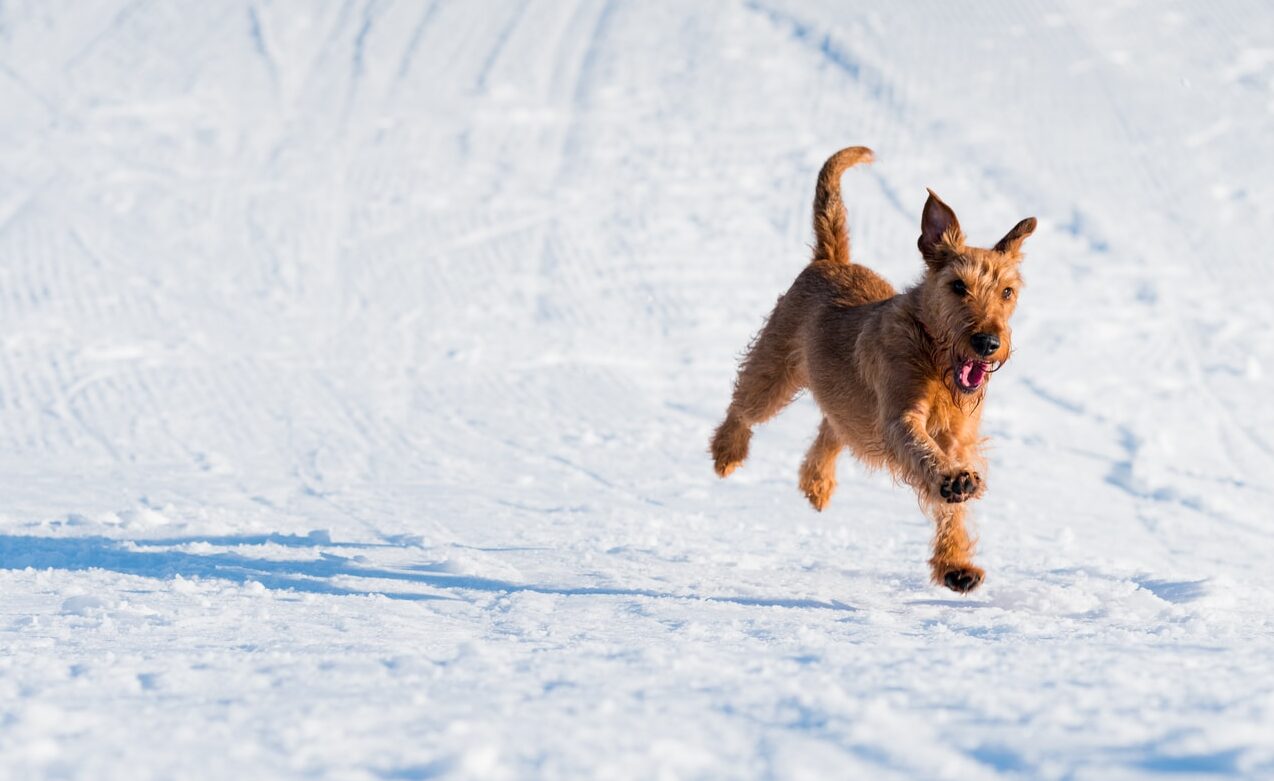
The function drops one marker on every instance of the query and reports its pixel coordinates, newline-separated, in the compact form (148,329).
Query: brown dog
(899,377)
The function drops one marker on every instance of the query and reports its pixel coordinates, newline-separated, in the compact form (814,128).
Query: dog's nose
(985,344)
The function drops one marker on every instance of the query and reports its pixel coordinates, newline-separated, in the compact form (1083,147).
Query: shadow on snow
(132,557)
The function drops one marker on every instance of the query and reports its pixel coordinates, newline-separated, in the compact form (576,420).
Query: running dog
(899,377)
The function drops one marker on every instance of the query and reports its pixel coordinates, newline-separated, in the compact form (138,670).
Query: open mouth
(971,374)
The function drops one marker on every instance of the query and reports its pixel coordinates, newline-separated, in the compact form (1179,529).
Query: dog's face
(969,293)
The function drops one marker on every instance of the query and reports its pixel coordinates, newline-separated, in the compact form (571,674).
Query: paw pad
(962,581)
(960,486)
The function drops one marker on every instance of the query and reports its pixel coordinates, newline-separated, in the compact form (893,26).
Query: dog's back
(822,307)
(839,302)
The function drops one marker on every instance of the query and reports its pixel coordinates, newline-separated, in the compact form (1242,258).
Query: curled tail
(831,234)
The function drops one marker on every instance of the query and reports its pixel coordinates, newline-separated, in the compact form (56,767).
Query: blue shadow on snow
(130,557)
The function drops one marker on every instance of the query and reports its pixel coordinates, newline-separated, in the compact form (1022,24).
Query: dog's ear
(1012,241)
(940,234)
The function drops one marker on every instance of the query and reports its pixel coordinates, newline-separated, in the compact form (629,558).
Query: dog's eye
(958,287)
(1007,294)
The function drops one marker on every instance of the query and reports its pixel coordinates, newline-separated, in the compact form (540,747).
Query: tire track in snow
(413,42)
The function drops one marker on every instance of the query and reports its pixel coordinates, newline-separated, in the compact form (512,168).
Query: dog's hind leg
(952,565)
(818,471)
(768,380)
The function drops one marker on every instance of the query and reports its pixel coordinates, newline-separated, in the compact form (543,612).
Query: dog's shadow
(314,575)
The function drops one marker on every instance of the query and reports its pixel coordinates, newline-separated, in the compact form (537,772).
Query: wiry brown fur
(883,365)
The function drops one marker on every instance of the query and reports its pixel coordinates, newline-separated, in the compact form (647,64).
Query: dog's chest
(948,423)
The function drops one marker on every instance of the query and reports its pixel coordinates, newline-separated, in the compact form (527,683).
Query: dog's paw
(729,447)
(960,486)
(723,467)
(962,579)
(818,491)
(817,484)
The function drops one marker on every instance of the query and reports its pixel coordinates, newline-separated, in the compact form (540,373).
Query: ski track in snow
(359,361)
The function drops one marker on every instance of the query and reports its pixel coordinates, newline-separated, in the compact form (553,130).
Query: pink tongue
(971,373)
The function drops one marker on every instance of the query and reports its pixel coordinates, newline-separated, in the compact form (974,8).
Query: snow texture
(359,361)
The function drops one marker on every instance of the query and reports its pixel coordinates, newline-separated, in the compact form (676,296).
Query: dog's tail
(831,234)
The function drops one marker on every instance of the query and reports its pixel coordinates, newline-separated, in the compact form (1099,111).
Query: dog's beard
(965,376)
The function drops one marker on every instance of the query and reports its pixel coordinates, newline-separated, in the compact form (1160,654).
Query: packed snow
(359,361)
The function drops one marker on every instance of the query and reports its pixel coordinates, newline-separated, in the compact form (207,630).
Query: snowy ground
(358,364)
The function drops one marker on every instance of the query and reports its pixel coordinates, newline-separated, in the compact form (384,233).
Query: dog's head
(969,293)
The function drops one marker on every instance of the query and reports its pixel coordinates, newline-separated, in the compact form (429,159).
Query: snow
(359,360)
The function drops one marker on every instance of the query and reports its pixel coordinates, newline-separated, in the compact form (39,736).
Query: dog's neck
(924,329)
(914,308)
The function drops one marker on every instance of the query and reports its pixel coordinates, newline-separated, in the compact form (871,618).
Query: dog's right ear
(940,234)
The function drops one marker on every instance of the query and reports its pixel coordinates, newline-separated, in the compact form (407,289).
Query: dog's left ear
(1012,241)
(940,234)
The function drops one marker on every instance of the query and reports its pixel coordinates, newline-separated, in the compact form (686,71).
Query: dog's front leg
(923,464)
(952,564)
